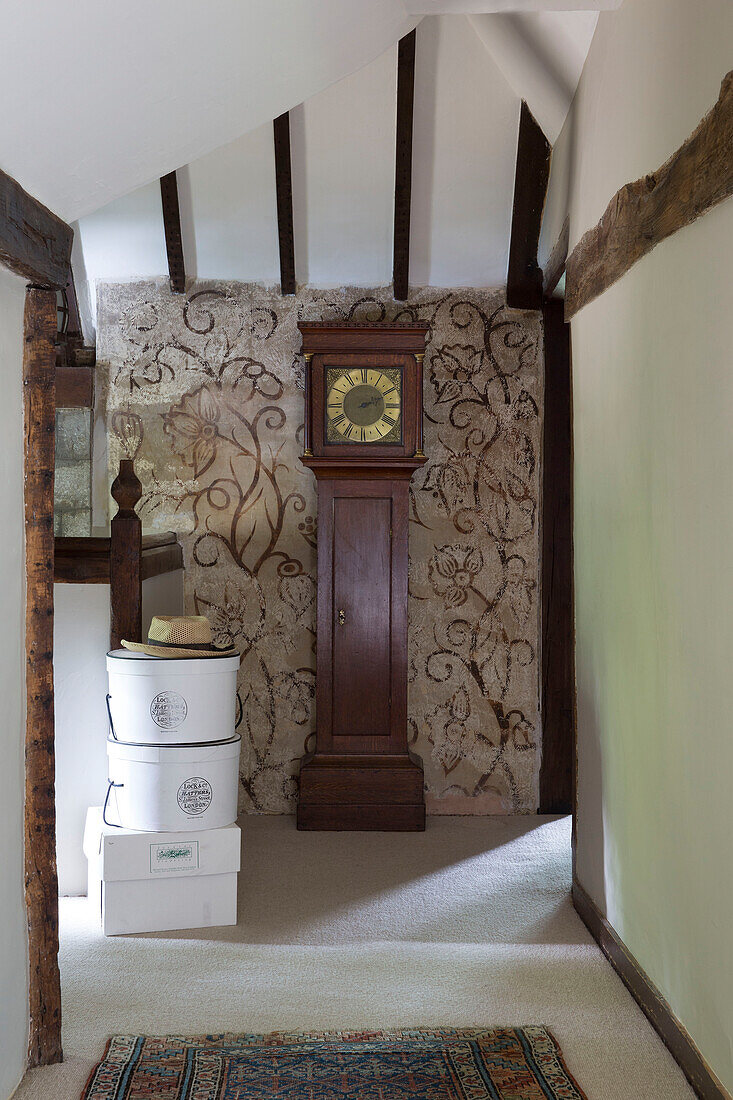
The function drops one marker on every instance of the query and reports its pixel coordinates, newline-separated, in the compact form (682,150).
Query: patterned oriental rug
(443,1064)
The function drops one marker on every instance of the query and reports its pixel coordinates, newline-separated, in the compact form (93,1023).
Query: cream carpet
(469,923)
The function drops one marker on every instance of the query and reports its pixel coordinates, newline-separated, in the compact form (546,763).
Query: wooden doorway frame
(36,245)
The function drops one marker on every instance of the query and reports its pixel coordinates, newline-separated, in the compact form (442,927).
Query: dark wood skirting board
(650,1000)
(557,621)
(524,275)
(641,214)
(41,884)
(34,243)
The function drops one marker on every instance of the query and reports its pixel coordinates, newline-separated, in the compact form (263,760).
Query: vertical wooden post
(403,165)
(558,629)
(41,883)
(125,581)
(284,195)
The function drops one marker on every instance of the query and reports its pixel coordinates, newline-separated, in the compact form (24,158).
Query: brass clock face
(364,405)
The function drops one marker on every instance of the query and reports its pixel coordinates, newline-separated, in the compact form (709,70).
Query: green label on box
(183,856)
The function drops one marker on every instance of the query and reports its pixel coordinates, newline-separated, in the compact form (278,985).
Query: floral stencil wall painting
(205,392)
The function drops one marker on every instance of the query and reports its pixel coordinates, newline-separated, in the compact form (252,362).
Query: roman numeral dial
(364,405)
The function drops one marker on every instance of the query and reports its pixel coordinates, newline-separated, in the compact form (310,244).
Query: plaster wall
(205,392)
(13,949)
(653,400)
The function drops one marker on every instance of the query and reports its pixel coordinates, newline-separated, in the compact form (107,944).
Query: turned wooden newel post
(41,884)
(126,619)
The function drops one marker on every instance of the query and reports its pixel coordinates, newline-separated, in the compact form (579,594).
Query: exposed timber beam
(555,266)
(695,178)
(172,225)
(41,885)
(34,243)
(403,165)
(75,387)
(284,191)
(524,276)
(558,634)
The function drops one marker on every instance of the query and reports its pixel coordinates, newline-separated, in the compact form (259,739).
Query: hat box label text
(168,709)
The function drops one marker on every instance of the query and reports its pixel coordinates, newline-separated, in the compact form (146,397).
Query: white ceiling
(541,55)
(100,97)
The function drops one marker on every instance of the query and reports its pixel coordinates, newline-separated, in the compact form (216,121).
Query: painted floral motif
(206,393)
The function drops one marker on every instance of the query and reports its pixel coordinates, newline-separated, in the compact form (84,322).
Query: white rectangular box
(159,882)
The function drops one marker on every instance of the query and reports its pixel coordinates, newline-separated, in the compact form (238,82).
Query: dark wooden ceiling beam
(403,165)
(641,214)
(524,275)
(34,243)
(172,226)
(284,191)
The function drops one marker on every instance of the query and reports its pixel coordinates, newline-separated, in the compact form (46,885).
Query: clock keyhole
(342,618)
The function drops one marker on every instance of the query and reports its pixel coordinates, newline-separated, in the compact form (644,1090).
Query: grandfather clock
(363,441)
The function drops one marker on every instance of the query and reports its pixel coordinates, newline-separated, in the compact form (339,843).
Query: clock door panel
(361,634)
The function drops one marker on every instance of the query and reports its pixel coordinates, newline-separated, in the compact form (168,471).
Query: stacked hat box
(164,850)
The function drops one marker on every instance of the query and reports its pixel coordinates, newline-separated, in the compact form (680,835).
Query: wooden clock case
(361,774)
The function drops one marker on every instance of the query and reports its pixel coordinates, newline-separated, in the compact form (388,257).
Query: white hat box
(159,700)
(157,883)
(172,788)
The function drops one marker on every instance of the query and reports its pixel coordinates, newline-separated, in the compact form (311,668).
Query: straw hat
(180,636)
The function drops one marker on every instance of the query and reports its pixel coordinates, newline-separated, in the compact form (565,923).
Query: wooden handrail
(85,559)
(123,559)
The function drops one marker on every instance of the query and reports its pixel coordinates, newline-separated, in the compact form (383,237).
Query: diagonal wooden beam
(284,190)
(403,165)
(524,276)
(556,261)
(41,885)
(34,243)
(696,177)
(172,226)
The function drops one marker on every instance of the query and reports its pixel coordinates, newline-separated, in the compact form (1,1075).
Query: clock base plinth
(360,793)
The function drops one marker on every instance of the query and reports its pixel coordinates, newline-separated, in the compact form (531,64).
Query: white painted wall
(343,183)
(343,154)
(653,406)
(13,946)
(464,151)
(81,641)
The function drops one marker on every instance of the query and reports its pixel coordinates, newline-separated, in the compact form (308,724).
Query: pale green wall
(653,428)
